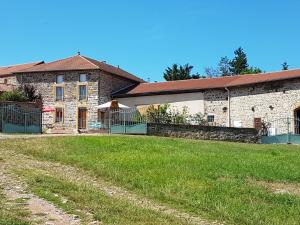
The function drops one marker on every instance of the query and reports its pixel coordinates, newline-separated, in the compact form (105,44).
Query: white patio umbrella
(112,104)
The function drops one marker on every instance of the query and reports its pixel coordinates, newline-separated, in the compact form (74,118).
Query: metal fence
(127,121)
(283,130)
(18,119)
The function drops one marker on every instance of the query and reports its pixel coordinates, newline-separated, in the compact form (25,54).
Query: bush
(23,94)
(198,119)
(14,96)
(30,92)
(167,115)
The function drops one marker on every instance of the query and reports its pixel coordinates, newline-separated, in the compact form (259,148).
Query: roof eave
(44,71)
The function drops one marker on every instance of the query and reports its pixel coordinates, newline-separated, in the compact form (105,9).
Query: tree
(30,92)
(285,66)
(239,62)
(178,72)
(251,70)
(197,76)
(224,66)
(211,72)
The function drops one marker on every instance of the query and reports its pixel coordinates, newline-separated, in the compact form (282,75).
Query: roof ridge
(60,59)
(188,80)
(21,64)
(232,76)
(87,59)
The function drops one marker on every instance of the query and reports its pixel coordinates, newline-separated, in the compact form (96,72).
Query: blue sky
(144,37)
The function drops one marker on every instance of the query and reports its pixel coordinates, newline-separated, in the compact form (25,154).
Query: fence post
(109,121)
(25,123)
(2,126)
(41,122)
(124,121)
(288,130)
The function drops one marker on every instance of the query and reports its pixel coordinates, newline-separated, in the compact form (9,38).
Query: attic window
(82,78)
(59,79)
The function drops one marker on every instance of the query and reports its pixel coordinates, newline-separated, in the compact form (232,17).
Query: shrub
(23,94)
(14,96)
(167,115)
(30,92)
(198,119)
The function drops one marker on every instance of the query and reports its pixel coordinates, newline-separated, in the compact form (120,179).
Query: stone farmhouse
(75,86)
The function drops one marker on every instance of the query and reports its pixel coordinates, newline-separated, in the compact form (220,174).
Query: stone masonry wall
(214,102)
(45,85)
(268,101)
(11,80)
(248,135)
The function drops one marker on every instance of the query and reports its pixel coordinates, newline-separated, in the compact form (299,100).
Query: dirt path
(277,187)
(42,212)
(18,161)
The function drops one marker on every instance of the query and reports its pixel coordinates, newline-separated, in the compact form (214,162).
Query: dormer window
(82,78)
(59,79)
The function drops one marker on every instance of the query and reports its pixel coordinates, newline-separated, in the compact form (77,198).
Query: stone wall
(247,135)
(11,80)
(269,101)
(215,102)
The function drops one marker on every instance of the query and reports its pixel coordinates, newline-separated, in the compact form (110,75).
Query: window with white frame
(82,92)
(59,93)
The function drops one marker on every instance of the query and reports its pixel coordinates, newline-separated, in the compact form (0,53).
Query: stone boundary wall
(246,135)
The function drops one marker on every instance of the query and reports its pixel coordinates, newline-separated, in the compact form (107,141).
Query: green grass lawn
(208,179)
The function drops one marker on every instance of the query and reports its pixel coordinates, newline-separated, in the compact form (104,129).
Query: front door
(82,118)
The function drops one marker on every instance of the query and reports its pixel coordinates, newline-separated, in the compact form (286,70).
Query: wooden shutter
(257,123)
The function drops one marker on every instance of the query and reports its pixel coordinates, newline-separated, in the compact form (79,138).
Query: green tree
(239,63)
(285,66)
(251,70)
(178,72)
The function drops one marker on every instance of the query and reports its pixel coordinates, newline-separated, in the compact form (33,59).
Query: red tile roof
(206,83)
(9,70)
(79,62)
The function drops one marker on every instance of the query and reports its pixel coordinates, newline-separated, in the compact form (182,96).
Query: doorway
(82,118)
(297,120)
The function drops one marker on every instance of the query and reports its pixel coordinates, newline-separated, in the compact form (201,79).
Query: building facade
(72,88)
(239,101)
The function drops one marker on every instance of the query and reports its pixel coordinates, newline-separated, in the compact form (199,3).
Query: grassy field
(214,180)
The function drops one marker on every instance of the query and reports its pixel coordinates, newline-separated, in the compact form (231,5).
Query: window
(210,118)
(59,79)
(59,93)
(82,92)
(59,115)
(82,78)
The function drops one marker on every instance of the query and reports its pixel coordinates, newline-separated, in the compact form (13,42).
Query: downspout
(228,102)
